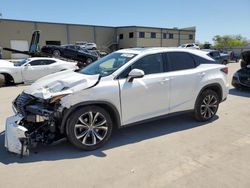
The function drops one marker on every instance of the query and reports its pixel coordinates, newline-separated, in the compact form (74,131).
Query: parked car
(190,45)
(71,52)
(221,58)
(123,88)
(241,79)
(31,69)
(87,45)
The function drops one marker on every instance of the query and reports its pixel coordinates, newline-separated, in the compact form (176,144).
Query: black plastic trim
(67,112)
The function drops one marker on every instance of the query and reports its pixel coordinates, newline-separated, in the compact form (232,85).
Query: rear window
(180,61)
(199,60)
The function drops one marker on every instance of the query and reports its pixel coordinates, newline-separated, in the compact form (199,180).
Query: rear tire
(8,80)
(89,61)
(89,127)
(206,105)
(56,53)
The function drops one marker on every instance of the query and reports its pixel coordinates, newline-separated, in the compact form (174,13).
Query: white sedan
(31,69)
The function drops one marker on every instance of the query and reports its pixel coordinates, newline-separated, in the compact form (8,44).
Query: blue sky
(210,17)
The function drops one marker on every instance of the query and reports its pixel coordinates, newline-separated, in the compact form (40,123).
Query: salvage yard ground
(173,152)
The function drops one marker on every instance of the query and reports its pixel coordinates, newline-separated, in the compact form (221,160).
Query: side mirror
(135,73)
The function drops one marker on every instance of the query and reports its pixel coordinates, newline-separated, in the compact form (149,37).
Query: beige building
(16,34)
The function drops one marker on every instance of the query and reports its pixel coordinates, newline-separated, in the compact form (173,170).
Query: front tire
(89,127)
(206,105)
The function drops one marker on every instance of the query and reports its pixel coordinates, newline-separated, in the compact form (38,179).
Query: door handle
(202,74)
(164,80)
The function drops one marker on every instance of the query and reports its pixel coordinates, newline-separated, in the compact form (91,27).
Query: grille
(20,102)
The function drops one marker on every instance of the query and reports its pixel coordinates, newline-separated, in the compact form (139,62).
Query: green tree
(227,41)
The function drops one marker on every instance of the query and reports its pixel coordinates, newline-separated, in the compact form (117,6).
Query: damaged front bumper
(16,140)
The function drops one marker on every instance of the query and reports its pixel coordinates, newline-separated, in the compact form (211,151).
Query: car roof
(165,49)
(43,58)
(209,50)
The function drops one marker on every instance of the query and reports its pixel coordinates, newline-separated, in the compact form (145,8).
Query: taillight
(225,70)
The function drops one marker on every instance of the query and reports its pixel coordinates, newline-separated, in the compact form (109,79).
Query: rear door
(146,97)
(184,80)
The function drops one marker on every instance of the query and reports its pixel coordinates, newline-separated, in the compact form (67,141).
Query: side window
(36,63)
(180,61)
(150,64)
(48,62)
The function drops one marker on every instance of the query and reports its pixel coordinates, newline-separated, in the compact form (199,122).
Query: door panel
(145,97)
(184,80)
(34,71)
(183,85)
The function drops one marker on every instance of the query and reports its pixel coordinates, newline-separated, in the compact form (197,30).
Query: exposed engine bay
(35,122)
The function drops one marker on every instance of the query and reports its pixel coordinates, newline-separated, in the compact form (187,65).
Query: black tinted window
(48,62)
(180,61)
(36,62)
(141,34)
(150,64)
(41,62)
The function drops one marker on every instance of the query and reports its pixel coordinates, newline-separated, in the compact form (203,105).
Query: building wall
(80,33)
(14,30)
(127,42)
(51,32)
(148,41)
(103,36)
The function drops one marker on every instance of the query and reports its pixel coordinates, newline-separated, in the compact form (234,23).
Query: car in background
(241,79)
(221,58)
(87,45)
(123,88)
(31,69)
(70,51)
(190,45)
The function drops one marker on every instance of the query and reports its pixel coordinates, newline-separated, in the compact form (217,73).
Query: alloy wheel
(91,128)
(209,106)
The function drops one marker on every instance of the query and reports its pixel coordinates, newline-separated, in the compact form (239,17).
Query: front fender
(67,112)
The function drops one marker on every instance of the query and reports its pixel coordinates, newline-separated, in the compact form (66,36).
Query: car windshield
(108,64)
(20,63)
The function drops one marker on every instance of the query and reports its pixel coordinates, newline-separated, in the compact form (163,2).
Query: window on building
(53,42)
(121,36)
(191,36)
(153,35)
(180,61)
(164,35)
(170,35)
(131,35)
(141,34)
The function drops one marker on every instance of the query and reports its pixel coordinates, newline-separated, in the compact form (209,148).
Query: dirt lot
(174,152)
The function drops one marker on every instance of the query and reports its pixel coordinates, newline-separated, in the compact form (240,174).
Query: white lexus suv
(124,88)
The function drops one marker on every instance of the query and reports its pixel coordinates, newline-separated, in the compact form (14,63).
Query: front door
(146,97)
(34,70)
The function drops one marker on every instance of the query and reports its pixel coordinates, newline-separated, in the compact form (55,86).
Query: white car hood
(4,63)
(65,82)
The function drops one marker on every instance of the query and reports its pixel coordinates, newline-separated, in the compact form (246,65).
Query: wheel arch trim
(115,115)
(217,85)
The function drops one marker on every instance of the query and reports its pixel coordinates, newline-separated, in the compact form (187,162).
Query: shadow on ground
(240,92)
(121,137)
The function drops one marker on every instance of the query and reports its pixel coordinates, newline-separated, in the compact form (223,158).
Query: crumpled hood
(65,82)
(4,63)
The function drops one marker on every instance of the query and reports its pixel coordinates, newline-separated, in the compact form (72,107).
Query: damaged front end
(35,122)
